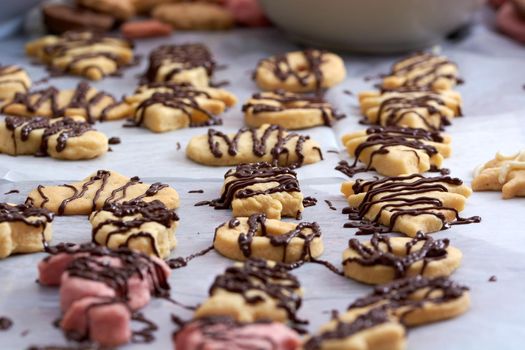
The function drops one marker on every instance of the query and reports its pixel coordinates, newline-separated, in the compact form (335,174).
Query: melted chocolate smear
(12,191)
(196,191)
(493,278)
(24,333)
(114,140)
(309,202)
(5,323)
(330,205)
(177,263)
(350,170)
(395,194)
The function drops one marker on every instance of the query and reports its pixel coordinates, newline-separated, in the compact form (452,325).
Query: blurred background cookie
(194,16)
(59,18)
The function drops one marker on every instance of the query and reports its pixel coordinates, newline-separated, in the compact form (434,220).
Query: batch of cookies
(254,304)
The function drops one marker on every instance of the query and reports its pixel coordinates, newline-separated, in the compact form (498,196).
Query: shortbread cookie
(13,79)
(97,190)
(421,109)
(269,143)
(100,290)
(254,290)
(422,70)
(60,138)
(225,333)
(393,151)
(289,110)
(84,101)
(503,173)
(194,16)
(120,9)
(260,188)
(186,63)
(162,107)
(408,204)
(147,227)
(378,321)
(88,54)
(23,229)
(259,237)
(384,259)
(300,71)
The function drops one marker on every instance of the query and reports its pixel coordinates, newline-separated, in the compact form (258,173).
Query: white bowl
(370,25)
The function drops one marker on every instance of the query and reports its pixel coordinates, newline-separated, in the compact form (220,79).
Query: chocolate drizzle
(142,213)
(22,212)
(374,254)
(290,101)
(259,275)
(393,194)
(383,138)
(63,129)
(306,231)
(183,100)
(260,144)
(429,66)
(309,201)
(283,70)
(32,101)
(6,71)
(100,181)
(177,263)
(244,175)
(186,56)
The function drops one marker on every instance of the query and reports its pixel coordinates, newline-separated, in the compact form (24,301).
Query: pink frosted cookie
(216,333)
(101,288)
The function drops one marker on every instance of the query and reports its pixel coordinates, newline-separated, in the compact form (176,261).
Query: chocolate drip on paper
(309,201)
(187,56)
(396,193)
(177,263)
(12,192)
(258,275)
(143,212)
(100,181)
(290,101)
(32,101)
(63,129)
(383,138)
(260,145)
(374,254)
(245,175)
(306,231)
(283,70)
(114,140)
(5,323)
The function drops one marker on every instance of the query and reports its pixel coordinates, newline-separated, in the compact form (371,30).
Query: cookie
(97,190)
(101,288)
(13,79)
(268,143)
(254,290)
(378,320)
(120,9)
(194,16)
(258,237)
(162,107)
(383,259)
(408,204)
(289,110)
(260,188)
(393,151)
(23,229)
(421,109)
(60,138)
(186,63)
(147,227)
(83,101)
(60,18)
(423,70)
(88,54)
(145,29)
(225,333)
(300,71)
(503,173)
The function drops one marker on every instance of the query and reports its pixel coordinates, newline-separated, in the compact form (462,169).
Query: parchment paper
(494,108)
